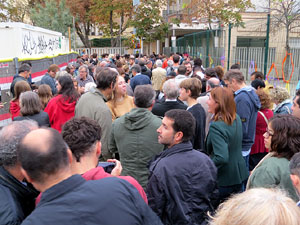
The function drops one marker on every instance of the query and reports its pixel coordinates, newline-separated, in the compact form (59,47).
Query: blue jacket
(77,201)
(47,79)
(182,185)
(284,107)
(247,106)
(139,79)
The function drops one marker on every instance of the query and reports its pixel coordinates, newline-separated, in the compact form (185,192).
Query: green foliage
(52,15)
(104,42)
(14,11)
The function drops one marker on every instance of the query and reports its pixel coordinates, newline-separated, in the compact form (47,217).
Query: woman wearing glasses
(282,138)
(224,142)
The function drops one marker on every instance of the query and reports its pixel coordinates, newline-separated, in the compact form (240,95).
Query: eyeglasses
(268,133)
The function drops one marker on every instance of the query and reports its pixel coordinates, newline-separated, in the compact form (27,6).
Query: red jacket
(261,127)
(59,111)
(99,173)
(14,109)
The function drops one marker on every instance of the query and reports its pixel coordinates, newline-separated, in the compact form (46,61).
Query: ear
(98,150)
(70,156)
(295,180)
(178,136)
(27,177)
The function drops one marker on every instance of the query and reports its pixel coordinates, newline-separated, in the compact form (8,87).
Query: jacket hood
(250,91)
(66,106)
(137,118)
(14,107)
(95,174)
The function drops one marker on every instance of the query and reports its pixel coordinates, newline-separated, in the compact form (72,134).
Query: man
(49,78)
(24,72)
(149,64)
(92,104)
(17,197)
(83,78)
(189,69)
(171,92)
(144,69)
(138,78)
(133,135)
(69,198)
(158,76)
(182,185)
(247,106)
(296,105)
(181,74)
(210,84)
(295,173)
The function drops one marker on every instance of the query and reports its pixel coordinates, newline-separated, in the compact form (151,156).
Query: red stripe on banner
(4,80)
(5,116)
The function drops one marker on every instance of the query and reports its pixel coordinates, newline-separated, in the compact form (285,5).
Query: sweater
(119,108)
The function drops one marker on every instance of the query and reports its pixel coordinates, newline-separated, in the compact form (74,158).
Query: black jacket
(16,199)
(182,185)
(41,118)
(160,108)
(77,201)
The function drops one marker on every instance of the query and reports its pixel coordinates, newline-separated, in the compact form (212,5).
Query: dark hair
(142,62)
(235,66)
(105,77)
(257,83)
(27,62)
(136,68)
(144,96)
(258,75)
(295,164)
(197,62)
(41,163)
(298,94)
(234,74)
(94,55)
(183,121)
(286,139)
(176,58)
(24,68)
(181,70)
(30,103)
(68,90)
(220,72)
(211,72)
(81,135)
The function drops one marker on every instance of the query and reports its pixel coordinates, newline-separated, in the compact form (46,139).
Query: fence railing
(100,51)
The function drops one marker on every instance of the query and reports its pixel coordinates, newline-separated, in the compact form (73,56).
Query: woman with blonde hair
(45,94)
(281,97)
(14,107)
(224,142)
(120,103)
(258,206)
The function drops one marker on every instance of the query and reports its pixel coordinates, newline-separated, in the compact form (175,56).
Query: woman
(45,94)
(20,87)
(281,97)
(61,108)
(258,149)
(120,103)
(224,142)
(282,138)
(31,109)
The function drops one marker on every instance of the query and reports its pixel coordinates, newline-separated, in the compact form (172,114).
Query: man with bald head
(210,84)
(46,163)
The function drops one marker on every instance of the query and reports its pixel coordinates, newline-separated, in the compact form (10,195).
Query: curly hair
(264,98)
(279,94)
(81,135)
(286,139)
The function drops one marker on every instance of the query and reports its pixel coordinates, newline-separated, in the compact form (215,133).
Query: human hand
(117,169)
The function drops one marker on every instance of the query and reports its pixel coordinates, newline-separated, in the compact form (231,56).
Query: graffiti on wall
(36,43)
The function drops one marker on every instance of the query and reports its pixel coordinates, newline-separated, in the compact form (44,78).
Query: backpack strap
(263,115)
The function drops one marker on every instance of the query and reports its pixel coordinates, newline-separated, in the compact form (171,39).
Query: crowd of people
(149,140)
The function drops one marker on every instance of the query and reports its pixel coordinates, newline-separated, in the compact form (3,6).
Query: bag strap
(263,115)
(288,109)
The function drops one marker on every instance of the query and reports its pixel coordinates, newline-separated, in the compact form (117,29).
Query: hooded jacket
(247,106)
(135,138)
(59,111)
(14,108)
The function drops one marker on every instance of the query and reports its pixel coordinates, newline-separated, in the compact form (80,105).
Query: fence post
(207,49)
(267,46)
(229,40)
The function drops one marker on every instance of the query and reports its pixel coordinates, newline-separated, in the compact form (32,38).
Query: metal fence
(100,51)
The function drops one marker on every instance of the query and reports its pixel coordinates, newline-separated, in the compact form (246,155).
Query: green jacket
(273,172)
(224,146)
(134,137)
(92,105)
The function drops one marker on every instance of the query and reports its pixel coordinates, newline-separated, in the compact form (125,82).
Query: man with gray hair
(83,78)
(138,78)
(158,76)
(171,92)
(134,136)
(17,197)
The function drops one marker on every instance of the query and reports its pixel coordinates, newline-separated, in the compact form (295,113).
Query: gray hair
(170,63)
(234,74)
(213,82)
(158,63)
(136,68)
(30,103)
(144,96)
(171,89)
(85,67)
(10,136)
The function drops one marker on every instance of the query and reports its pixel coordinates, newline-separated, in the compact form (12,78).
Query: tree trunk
(113,40)
(288,59)
(83,36)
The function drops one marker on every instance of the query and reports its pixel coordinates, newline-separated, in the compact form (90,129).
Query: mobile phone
(107,166)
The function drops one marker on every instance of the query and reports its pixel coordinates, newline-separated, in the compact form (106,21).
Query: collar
(61,188)
(95,90)
(171,100)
